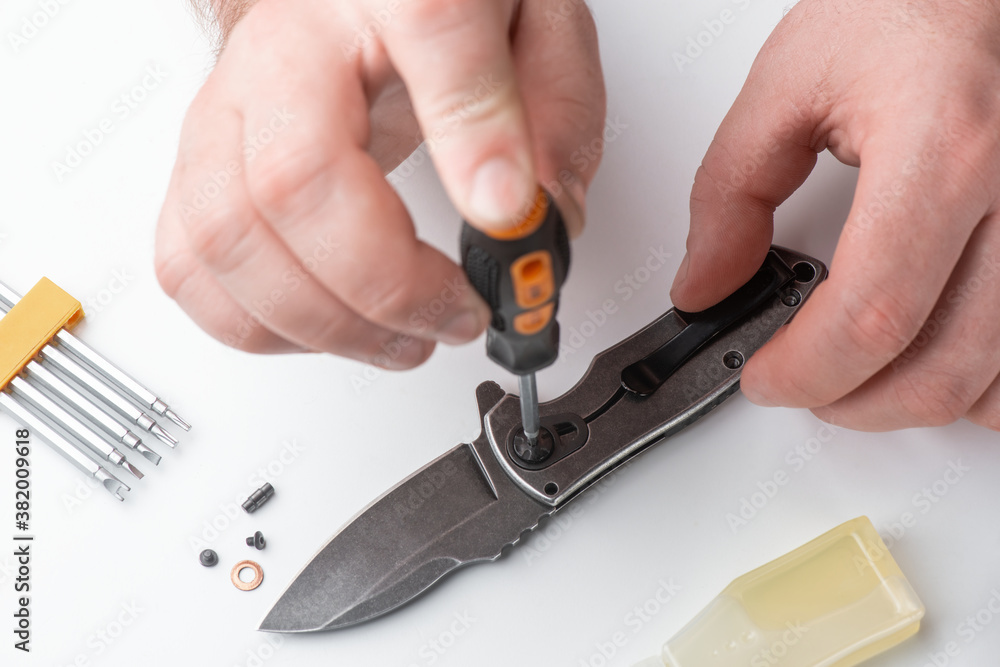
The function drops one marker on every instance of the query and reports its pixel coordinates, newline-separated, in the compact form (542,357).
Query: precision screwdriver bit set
(73,398)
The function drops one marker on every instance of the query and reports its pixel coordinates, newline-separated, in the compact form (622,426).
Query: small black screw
(733,360)
(791,298)
(257,541)
(208,558)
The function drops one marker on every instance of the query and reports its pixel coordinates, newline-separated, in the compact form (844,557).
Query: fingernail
(682,273)
(464,327)
(500,191)
(756,397)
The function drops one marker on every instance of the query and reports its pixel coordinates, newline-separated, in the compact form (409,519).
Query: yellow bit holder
(32,323)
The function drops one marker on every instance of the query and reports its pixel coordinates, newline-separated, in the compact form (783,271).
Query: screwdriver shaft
(132,387)
(47,409)
(45,378)
(57,359)
(529,407)
(69,451)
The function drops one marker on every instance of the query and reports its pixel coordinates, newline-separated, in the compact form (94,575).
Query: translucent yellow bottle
(833,602)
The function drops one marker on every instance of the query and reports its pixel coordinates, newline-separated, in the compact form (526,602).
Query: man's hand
(906,331)
(280,232)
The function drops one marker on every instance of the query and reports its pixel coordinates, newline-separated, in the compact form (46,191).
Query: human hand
(906,330)
(280,233)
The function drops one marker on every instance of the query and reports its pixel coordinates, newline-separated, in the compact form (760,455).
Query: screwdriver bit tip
(172,416)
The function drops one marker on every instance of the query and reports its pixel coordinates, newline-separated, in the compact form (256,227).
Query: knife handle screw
(733,360)
(208,558)
(256,541)
(791,298)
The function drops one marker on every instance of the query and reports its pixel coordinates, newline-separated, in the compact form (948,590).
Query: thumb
(760,155)
(456,61)
(559,67)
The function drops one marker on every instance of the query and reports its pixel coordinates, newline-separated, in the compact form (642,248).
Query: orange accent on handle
(534,283)
(533,321)
(532,221)
(32,323)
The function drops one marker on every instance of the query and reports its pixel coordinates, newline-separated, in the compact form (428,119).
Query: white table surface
(120,584)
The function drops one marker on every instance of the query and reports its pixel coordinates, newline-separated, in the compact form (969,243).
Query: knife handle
(602,425)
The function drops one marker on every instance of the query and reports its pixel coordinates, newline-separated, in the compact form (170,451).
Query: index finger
(455,58)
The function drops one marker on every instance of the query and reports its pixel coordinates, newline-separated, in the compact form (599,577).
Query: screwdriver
(519,273)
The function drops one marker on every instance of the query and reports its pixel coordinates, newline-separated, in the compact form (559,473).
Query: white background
(120,584)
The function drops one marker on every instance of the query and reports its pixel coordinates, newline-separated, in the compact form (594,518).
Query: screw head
(791,298)
(733,360)
(257,541)
(208,558)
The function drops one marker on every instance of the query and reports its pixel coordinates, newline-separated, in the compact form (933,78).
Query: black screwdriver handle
(519,273)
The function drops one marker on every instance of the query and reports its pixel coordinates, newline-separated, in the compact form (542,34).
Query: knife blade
(479,498)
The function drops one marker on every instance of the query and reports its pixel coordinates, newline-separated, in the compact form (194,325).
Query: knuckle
(387,298)
(288,180)
(986,416)
(881,324)
(438,15)
(216,235)
(173,270)
(935,396)
(332,332)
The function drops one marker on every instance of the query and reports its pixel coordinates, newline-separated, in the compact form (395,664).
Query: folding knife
(475,500)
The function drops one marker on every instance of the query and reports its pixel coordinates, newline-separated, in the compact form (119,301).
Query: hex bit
(69,451)
(125,382)
(62,362)
(45,378)
(47,409)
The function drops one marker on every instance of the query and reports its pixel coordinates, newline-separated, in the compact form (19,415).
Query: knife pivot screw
(258,498)
(542,448)
(208,558)
(256,541)
(733,360)
(791,298)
